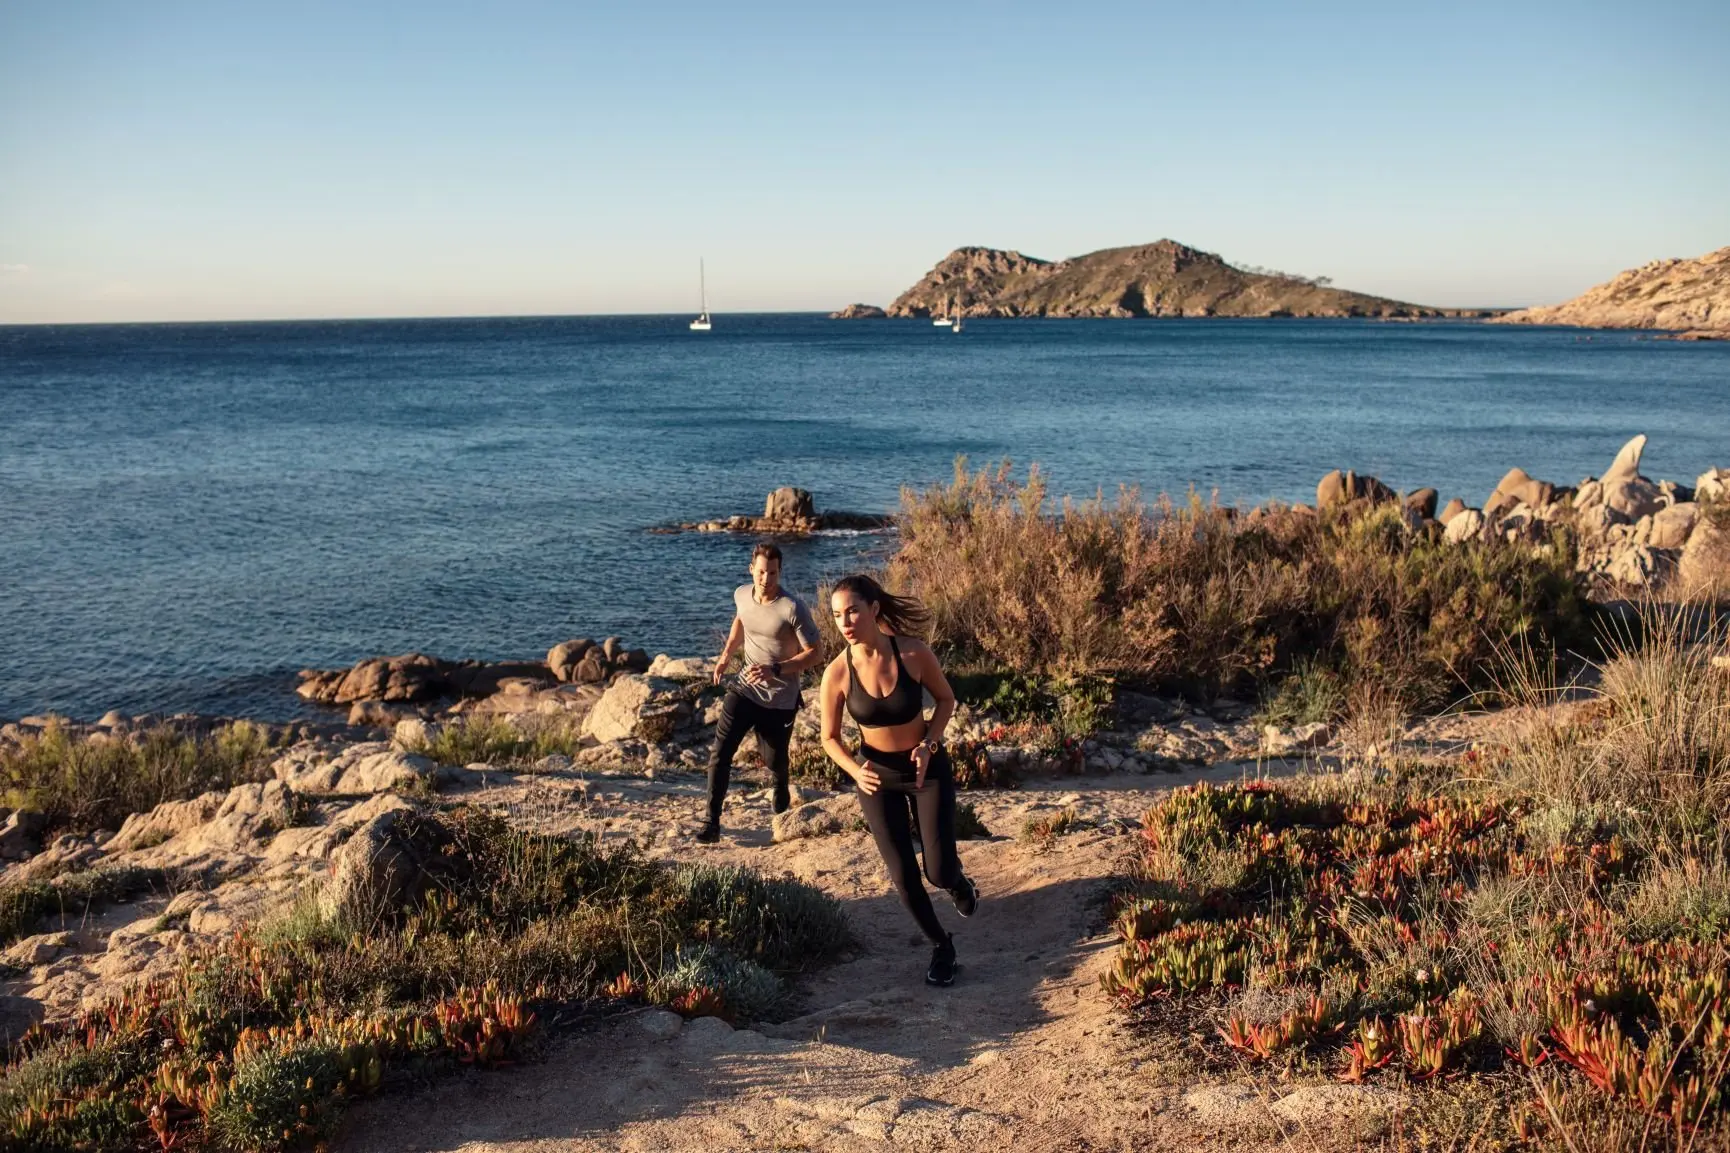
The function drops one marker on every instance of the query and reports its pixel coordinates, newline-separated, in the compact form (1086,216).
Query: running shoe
(942,970)
(965,896)
(710,832)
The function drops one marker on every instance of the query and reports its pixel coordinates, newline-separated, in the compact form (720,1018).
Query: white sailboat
(701,324)
(943,321)
(958,316)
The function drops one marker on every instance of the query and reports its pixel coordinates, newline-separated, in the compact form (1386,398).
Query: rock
(1633,498)
(375,715)
(412,734)
(1626,466)
(592,669)
(659,1023)
(813,820)
(858,312)
(635,660)
(1672,526)
(1453,508)
(1361,1110)
(112,719)
(410,677)
(562,658)
(373,872)
(789,504)
(1278,742)
(681,668)
(1336,489)
(1423,502)
(370,767)
(1466,525)
(611,648)
(1517,488)
(38,950)
(636,705)
(1596,521)
(21,836)
(1639,567)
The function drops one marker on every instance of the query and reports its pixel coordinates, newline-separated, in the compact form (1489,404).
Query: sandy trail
(1022,1051)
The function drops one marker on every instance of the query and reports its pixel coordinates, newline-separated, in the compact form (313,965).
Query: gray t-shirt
(777,631)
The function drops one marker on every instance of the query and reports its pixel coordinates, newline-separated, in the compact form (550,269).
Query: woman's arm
(833,695)
(925,668)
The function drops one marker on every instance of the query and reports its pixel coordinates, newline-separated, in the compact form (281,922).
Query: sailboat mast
(703,285)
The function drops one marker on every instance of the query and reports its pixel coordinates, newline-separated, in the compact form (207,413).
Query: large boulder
(1672,526)
(409,677)
(682,668)
(1623,490)
(1517,488)
(21,836)
(1337,488)
(563,658)
(1626,466)
(1423,502)
(1452,509)
(1713,485)
(789,504)
(375,871)
(639,706)
(1641,566)
(1465,525)
(359,770)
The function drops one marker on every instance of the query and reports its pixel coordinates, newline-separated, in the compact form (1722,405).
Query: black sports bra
(904,702)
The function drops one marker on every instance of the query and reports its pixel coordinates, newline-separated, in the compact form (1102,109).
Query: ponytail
(905,616)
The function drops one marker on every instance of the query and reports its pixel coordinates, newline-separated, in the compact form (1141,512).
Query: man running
(780,639)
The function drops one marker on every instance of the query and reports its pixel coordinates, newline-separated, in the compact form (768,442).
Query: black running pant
(890,812)
(774,728)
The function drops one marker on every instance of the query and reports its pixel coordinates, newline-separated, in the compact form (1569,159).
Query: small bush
(740,988)
(81,784)
(520,742)
(1042,832)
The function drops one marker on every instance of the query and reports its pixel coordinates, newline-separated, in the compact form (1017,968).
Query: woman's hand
(865,776)
(921,762)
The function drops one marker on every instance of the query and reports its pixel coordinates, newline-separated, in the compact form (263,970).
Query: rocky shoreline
(788,512)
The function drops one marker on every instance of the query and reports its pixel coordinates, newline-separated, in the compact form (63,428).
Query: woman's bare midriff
(893,738)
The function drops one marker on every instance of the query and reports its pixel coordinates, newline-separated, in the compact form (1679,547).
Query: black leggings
(890,812)
(774,728)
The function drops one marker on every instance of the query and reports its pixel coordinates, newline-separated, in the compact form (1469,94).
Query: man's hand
(755,674)
(720,667)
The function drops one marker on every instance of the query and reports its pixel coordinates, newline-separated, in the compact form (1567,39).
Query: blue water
(190,513)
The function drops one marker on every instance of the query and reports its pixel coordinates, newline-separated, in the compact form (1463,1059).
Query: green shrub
(782,925)
(519,742)
(745,988)
(280,1096)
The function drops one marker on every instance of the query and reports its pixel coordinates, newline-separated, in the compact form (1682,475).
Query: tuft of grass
(259,1042)
(23,905)
(519,742)
(82,784)
(1042,832)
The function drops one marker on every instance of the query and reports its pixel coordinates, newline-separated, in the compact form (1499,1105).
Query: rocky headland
(1683,296)
(858,312)
(1164,279)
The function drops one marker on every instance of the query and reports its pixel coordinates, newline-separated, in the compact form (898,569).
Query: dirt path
(1022,1052)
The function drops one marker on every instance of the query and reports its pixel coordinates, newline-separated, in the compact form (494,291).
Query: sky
(192,161)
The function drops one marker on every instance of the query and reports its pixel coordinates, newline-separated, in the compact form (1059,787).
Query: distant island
(1690,297)
(1164,279)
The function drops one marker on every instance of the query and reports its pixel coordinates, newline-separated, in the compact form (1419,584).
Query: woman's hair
(905,616)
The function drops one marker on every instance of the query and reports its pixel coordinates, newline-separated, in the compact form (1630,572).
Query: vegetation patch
(1197,599)
(24,904)
(258,1042)
(519,742)
(81,784)
(1553,918)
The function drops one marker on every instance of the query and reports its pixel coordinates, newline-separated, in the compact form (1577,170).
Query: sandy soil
(1021,1052)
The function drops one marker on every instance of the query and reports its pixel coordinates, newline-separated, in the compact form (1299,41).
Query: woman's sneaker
(965,896)
(942,970)
(710,832)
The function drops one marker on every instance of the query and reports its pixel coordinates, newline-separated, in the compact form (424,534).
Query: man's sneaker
(783,801)
(965,896)
(710,832)
(942,970)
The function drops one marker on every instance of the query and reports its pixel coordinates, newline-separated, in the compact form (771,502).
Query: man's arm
(805,632)
(735,638)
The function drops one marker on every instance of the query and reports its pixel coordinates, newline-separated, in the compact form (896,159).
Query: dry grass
(1198,599)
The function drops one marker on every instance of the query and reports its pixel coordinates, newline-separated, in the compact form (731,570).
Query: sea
(189,513)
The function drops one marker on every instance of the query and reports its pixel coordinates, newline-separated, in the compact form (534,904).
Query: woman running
(901,768)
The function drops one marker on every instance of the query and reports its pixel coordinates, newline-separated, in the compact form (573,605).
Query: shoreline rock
(788,512)
(858,312)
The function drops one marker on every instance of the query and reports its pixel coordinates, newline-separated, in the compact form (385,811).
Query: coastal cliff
(1678,295)
(1164,279)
